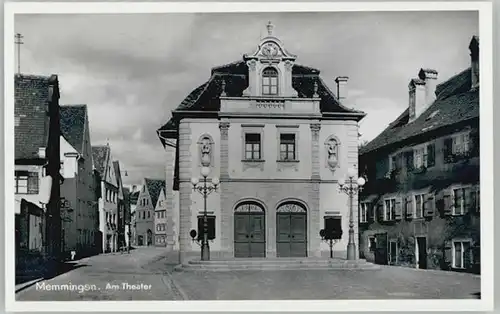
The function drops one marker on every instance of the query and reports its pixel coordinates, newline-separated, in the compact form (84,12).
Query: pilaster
(171,212)
(226,208)
(314,197)
(185,189)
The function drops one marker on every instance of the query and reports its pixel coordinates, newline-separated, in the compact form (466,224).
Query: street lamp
(351,186)
(204,189)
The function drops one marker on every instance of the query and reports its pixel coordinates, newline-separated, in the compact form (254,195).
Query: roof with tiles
(206,96)
(73,118)
(455,102)
(31,129)
(154,187)
(100,155)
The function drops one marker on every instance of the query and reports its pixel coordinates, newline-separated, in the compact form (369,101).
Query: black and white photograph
(249,152)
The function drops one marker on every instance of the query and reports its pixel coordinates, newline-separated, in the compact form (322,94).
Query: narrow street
(140,275)
(147,274)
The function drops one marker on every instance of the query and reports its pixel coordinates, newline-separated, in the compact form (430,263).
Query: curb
(26,285)
(446,272)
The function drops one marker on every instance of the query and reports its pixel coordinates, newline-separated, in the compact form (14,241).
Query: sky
(132,70)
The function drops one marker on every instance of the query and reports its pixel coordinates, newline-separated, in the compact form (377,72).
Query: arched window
(270,81)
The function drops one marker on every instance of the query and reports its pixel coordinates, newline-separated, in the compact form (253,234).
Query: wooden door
(283,237)
(381,250)
(249,235)
(422,252)
(241,236)
(291,235)
(257,235)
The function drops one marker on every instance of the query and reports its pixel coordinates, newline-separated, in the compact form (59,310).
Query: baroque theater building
(279,140)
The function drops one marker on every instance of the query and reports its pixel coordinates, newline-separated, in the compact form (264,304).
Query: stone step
(277,261)
(231,265)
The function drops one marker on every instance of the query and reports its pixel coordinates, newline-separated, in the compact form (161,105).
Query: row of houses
(69,195)
(149,214)
(420,206)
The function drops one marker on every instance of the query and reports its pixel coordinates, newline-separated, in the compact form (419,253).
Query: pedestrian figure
(73,253)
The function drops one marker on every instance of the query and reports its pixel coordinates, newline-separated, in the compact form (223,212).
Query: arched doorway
(150,237)
(249,230)
(291,231)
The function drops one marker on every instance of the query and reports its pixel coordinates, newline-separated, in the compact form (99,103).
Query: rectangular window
(149,214)
(144,215)
(462,254)
(419,205)
(287,146)
(372,243)
(420,157)
(21,182)
(460,144)
(252,146)
(459,201)
(389,209)
(363,212)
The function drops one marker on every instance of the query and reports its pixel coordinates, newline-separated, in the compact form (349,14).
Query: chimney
(429,76)
(416,90)
(474,61)
(342,88)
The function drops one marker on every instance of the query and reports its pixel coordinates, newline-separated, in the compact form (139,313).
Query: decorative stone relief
(252,64)
(205,148)
(223,88)
(291,207)
(270,50)
(284,165)
(332,153)
(247,164)
(224,129)
(315,128)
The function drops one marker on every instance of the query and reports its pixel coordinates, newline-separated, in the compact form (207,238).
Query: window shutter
(398,209)
(369,215)
(447,150)
(380,211)
(431,155)
(469,205)
(409,207)
(447,202)
(33,183)
(409,160)
(467,255)
(429,205)
(448,253)
(474,142)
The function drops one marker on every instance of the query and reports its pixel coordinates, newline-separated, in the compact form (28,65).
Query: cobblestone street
(153,268)
(387,283)
(109,272)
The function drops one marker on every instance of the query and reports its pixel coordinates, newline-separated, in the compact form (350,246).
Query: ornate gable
(270,69)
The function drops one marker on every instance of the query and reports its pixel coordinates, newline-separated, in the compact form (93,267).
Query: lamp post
(351,185)
(204,189)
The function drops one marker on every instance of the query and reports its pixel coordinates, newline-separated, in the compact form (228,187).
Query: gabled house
(420,205)
(145,211)
(79,210)
(108,201)
(161,220)
(36,176)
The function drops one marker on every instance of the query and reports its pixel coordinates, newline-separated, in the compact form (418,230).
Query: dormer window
(270,81)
